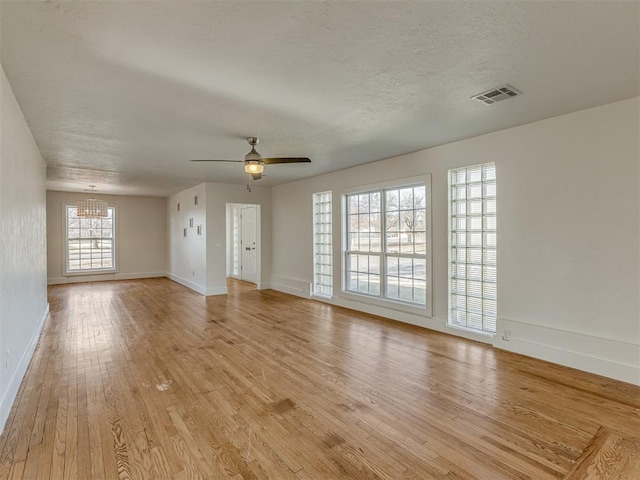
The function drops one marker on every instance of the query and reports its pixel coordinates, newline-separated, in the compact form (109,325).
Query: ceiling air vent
(497,94)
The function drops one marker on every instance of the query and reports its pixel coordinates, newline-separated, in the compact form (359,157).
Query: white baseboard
(611,358)
(103,277)
(14,385)
(182,281)
(207,292)
(291,286)
(216,291)
(263,286)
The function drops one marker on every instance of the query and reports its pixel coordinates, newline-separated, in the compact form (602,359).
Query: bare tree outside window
(386,237)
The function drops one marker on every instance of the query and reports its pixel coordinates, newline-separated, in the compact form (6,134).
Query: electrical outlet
(506,335)
(6,358)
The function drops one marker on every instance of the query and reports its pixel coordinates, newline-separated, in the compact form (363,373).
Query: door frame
(233,245)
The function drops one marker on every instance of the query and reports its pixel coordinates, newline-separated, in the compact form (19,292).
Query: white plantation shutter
(322,245)
(472,248)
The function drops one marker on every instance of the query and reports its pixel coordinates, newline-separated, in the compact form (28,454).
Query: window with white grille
(387,244)
(472,248)
(322,245)
(90,242)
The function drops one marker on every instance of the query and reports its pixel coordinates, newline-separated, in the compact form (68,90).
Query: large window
(387,243)
(90,242)
(472,248)
(322,245)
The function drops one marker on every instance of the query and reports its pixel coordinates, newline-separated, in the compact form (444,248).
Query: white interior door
(248,254)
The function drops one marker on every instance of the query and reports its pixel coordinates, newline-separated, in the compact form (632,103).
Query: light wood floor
(147,380)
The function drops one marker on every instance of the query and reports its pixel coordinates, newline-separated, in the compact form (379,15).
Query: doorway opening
(243,242)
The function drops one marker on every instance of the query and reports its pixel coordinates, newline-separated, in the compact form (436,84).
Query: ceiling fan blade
(271,161)
(256,176)
(234,161)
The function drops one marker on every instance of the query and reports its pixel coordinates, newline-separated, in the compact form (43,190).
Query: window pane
(352,204)
(375,243)
(475,223)
(406,289)
(474,174)
(391,200)
(374,264)
(474,207)
(393,287)
(352,281)
(405,267)
(420,242)
(489,189)
(392,266)
(474,272)
(363,283)
(406,199)
(375,224)
(474,190)
(374,285)
(419,198)
(363,221)
(489,171)
(489,222)
(375,202)
(489,274)
(459,254)
(420,269)
(393,222)
(363,203)
(420,291)
(352,241)
(474,255)
(459,286)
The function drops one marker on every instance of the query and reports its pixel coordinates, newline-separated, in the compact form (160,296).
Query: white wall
(23,255)
(141,239)
(187,256)
(199,262)
(568,235)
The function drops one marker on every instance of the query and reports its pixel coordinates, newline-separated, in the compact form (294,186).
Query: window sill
(91,272)
(422,311)
(470,330)
(321,297)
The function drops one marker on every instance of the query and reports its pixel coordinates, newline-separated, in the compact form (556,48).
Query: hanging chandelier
(92,207)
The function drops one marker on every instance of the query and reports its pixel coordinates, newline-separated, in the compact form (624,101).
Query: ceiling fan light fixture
(252,155)
(254,163)
(253,166)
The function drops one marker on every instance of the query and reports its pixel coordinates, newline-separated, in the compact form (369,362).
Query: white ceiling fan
(254,162)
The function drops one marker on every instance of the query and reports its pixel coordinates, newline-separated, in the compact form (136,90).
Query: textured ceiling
(123,94)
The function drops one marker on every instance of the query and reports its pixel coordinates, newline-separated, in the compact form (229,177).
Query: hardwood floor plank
(147,379)
(609,456)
